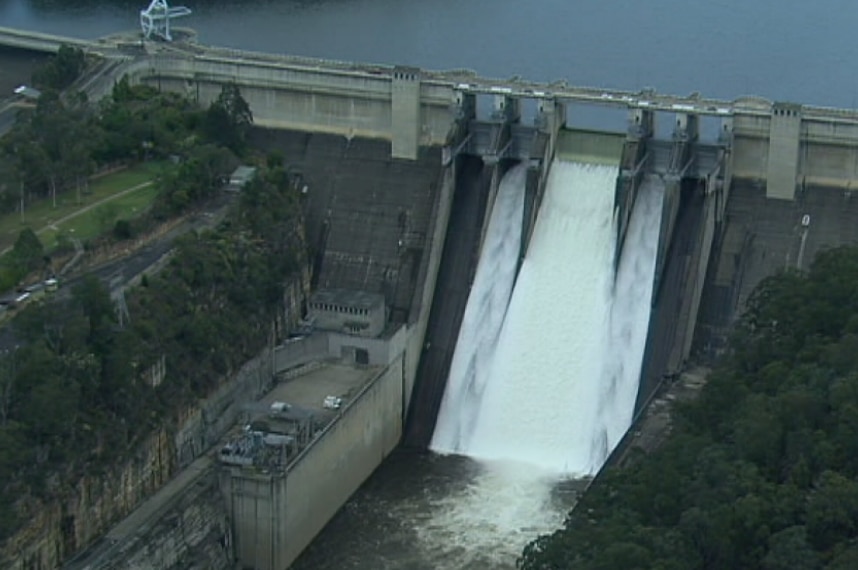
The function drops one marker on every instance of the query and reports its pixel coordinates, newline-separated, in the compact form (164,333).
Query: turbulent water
(540,405)
(629,317)
(484,315)
(543,381)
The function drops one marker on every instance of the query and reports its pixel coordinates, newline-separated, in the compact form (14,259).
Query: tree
(28,251)
(789,550)
(762,466)
(832,510)
(845,558)
(61,70)
(8,372)
(228,119)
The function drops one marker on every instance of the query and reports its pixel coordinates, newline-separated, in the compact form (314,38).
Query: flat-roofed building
(241,176)
(351,312)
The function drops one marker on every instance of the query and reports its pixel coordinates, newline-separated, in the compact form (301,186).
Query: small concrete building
(241,176)
(350,312)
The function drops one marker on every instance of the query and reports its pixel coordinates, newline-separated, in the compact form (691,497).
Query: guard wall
(276,515)
(392,104)
(793,151)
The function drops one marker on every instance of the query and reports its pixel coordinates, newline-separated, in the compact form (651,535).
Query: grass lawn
(41,215)
(101,218)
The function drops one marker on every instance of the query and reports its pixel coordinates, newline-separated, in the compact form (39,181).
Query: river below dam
(427,512)
(422,511)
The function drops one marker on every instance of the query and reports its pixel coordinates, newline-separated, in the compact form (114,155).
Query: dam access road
(401,166)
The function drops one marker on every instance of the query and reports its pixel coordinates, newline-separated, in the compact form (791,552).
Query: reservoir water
(430,511)
(793,50)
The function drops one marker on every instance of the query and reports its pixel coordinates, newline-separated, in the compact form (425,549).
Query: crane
(155,20)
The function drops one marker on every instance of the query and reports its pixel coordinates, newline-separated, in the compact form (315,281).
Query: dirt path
(85,209)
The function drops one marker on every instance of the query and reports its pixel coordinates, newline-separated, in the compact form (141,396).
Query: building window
(361,356)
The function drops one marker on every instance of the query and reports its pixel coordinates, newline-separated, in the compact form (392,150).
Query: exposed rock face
(192,533)
(194,536)
(84,512)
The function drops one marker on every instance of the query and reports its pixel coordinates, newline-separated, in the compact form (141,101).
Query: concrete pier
(276,513)
(401,177)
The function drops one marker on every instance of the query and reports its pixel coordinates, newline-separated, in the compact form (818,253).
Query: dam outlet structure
(544,380)
(648,243)
(483,318)
(545,375)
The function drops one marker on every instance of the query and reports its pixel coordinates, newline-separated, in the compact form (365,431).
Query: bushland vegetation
(761,471)
(75,396)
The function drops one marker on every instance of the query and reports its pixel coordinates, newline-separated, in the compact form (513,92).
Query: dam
(734,179)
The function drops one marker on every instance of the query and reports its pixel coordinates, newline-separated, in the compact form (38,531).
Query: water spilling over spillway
(551,378)
(449,511)
(484,315)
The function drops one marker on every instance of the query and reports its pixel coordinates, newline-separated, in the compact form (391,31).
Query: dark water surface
(429,512)
(789,50)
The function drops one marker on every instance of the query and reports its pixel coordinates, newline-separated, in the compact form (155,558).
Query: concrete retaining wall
(393,106)
(425,292)
(327,474)
(807,151)
(276,515)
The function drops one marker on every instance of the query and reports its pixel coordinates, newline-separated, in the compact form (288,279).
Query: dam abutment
(776,187)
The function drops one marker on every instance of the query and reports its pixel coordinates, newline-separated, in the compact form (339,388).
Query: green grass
(41,215)
(101,218)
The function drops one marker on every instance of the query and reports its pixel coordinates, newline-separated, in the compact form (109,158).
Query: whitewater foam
(484,315)
(629,318)
(543,387)
(541,404)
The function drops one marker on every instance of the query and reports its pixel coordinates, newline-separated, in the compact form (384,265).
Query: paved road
(118,273)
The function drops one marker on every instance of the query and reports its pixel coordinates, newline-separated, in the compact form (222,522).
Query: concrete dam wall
(397,107)
(392,205)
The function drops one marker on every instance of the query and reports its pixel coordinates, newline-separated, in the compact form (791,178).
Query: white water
(630,311)
(485,525)
(542,389)
(484,315)
(541,404)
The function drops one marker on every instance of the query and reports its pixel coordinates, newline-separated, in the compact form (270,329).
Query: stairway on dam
(367,215)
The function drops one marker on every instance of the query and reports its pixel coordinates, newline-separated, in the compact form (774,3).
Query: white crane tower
(155,20)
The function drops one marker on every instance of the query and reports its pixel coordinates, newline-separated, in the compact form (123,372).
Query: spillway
(518,385)
(551,380)
(484,315)
(629,318)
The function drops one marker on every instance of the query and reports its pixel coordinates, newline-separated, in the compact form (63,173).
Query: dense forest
(760,472)
(74,395)
(54,148)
